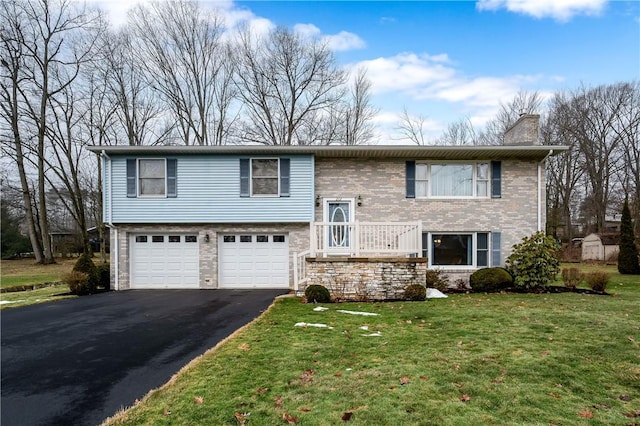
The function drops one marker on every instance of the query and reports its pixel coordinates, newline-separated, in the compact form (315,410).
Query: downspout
(540,169)
(107,196)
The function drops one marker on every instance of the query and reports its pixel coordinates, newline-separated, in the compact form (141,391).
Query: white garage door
(254,260)
(162,260)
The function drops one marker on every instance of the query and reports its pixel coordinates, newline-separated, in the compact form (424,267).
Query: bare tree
(285,80)
(359,112)
(12,84)
(56,37)
(461,132)
(523,103)
(180,47)
(411,127)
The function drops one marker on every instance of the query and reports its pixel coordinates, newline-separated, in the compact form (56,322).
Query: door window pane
(229,238)
(190,239)
(278,238)
(262,238)
(141,238)
(157,238)
(174,238)
(245,238)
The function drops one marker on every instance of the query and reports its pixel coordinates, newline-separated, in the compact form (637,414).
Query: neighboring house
(600,246)
(288,216)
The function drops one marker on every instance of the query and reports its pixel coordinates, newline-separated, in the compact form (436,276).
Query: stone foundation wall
(365,278)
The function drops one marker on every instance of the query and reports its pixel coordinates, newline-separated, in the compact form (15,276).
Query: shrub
(78,282)
(571,277)
(490,279)
(415,292)
(597,280)
(534,261)
(85,264)
(317,294)
(103,273)
(628,255)
(435,278)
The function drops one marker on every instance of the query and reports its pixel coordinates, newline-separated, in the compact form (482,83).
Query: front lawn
(21,272)
(26,272)
(470,359)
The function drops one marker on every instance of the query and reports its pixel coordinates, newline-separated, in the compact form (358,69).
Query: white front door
(339,214)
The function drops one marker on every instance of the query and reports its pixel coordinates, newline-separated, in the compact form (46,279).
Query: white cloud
(560,10)
(406,72)
(342,41)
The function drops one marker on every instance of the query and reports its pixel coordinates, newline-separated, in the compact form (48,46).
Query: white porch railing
(299,269)
(366,239)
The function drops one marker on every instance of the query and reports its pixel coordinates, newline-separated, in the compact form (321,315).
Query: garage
(254,260)
(164,260)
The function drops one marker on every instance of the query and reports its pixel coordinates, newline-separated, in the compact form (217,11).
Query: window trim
(474,249)
(429,181)
(138,186)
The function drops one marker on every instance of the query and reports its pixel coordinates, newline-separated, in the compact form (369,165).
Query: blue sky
(450,60)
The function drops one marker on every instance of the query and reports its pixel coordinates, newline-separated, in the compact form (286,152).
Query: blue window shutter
(284,177)
(244,177)
(496,179)
(131,177)
(411,179)
(172,177)
(496,252)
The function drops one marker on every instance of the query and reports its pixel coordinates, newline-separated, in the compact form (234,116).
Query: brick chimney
(525,131)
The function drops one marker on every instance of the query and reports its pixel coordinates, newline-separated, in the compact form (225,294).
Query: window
(469,249)
(190,239)
(451,180)
(174,238)
(229,238)
(262,238)
(152,177)
(157,239)
(245,238)
(141,238)
(264,177)
(278,238)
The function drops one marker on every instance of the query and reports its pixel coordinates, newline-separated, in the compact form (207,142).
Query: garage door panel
(164,261)
(253,261)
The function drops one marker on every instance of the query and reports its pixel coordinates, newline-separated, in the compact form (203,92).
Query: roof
(605,239)
(497,152)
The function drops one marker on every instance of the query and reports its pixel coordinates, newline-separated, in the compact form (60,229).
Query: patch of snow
(6,302)
(376,334)
(364,327)
(366,314)
(320,309)
(306,324)
(433,293)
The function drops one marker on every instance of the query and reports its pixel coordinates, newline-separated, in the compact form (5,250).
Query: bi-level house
(286,216)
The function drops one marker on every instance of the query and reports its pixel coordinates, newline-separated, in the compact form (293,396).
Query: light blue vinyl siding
(208,189)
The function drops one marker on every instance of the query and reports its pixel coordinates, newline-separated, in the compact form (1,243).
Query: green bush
(597,280)
(103,272)
(85,264)
(534,262)
(415,292)
(571,277)
(436,278)
(317,294)
(78,282)
(490,279)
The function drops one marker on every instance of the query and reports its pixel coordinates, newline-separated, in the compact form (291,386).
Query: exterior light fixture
(206,238)
(359,200)
(317,200)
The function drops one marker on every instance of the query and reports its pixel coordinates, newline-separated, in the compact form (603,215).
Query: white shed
(600,246)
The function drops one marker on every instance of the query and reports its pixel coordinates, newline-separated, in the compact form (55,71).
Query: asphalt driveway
(78,361)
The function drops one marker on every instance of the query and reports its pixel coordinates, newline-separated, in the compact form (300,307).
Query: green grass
(26,272)
(470,359)
(23,272)
(24,298)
